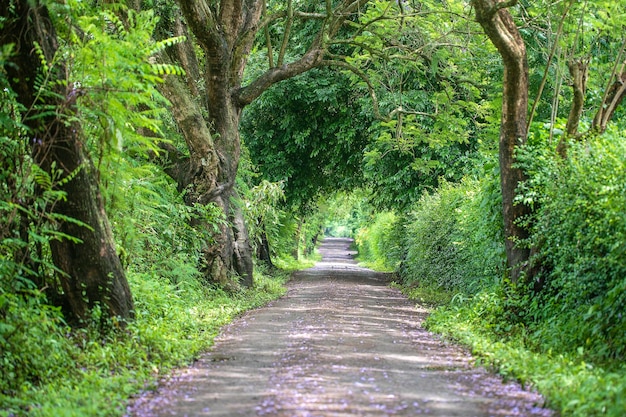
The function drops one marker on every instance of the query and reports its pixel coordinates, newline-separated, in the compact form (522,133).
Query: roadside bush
(378,239)
(579,229)
(454,238)
(571,385)
(49,369)
(565,333)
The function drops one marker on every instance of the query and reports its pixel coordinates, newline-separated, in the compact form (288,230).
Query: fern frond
(60,236)
(41,178)
(68,219)
(45,68)
(167,69)
(69,177)
(165,43)
(116,22)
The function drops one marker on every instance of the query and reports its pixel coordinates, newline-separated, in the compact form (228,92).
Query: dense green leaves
(579,232)
(427,80)
(114,78)
(308,132)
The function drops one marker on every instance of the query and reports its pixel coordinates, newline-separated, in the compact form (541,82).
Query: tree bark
(499,26)
(578,70)
(263,252)
(615,95)
(92,274)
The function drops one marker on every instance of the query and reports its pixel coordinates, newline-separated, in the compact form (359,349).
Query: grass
(174,324)
(571,386)
(428,296)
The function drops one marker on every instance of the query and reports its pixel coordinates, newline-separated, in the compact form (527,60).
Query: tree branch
(283,47)
(545,73)
(490,12)
(370,86)
(613,94)
(268,40)
(311,59)
(201,19)
(616,94)
(578,70)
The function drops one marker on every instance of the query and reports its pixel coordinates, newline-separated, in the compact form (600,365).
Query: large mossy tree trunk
(499,26)
(225,31)
(91,271)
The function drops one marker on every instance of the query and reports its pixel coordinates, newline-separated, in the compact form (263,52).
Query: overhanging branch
(310,60)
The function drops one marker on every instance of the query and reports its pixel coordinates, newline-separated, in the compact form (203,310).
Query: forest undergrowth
(50,368)
(90,372)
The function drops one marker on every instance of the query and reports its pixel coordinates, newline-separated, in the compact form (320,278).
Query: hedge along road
(339,343)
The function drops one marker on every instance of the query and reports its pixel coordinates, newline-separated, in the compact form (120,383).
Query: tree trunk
(242,249)
(92,274)
(578,70)
(208,175)
(611,101)
(502,31)
(263,252)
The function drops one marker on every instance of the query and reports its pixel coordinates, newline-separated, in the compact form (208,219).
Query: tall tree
(499,26)
(90,270)
(226,31)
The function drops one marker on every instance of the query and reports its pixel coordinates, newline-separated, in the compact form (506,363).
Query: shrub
(571,385)
(377,240)
(579,230)
(454,238)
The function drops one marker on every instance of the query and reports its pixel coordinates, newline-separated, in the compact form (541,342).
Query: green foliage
(345,212)
(592,33)
(261,208)
(307,132)
(152,225)
(32,346)
(290,231)
(564,333)
(93,374)
(572,385)
(579,230)
(378,240)
(51,370)
(430,83)
(32,342)
(453,238)
(113,75)
(46,368)
(310,135)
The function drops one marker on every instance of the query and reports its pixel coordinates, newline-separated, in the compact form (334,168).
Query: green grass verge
(571,386)
(174,324)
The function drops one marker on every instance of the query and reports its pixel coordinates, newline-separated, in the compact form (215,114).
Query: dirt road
(340,343)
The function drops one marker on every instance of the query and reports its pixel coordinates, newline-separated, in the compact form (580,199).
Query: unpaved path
(340,343)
